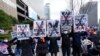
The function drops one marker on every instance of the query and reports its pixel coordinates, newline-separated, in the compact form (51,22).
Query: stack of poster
(80,23)
(39,29)
(66,20)
(23,31)
(53,28)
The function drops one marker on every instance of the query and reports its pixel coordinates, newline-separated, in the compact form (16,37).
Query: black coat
(53,47)
(66,42)
(26,46)
(95,39)
(42,47)
(77,40)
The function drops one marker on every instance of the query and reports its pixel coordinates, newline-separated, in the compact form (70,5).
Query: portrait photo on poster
(81,22)
(53,28)
(66,20)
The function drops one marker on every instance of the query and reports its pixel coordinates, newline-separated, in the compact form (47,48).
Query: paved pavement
(59,53)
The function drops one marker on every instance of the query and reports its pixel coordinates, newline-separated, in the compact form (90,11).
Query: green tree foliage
(6,21)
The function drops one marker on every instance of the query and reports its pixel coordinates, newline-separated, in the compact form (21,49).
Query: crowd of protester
(84,43)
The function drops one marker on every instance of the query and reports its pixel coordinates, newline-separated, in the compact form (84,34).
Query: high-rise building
(19,9)
(38,6)
(47,10)
(91,10)
(9,6)
(22,10)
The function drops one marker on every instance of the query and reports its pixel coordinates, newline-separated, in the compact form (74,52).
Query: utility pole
(72,9)
(71,2)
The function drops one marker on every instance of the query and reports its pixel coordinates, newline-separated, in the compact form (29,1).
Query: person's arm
(13,40)
(58,38)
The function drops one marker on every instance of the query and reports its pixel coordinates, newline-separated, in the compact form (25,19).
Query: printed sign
(3,48)
(53,28)
(23,31)
(66,20)
(39,29)
(80,23)
(13,34)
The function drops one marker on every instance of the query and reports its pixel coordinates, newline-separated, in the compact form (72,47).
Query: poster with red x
(39,28)
(81,23)
(23,31)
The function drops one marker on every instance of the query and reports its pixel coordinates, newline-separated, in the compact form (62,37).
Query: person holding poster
(42,46)
(53,46)
(53,33)
(76,44)
(66,42)
(26,47)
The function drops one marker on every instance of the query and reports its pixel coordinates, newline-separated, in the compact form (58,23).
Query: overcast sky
(56,6)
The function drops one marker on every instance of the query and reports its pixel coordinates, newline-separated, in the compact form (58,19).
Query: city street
(45,27)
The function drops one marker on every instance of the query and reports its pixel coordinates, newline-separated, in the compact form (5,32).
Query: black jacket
(77,40)
(53,46)
(42,47)
(26,46)
(95,39)
(66,42)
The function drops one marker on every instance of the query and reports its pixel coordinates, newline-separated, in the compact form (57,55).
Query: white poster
(13,34)
(66,20)
(23,31)
(3,48)
(53,28)
(39,28)
(80,22)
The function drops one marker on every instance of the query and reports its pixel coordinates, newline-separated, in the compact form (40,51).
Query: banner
(3,48)
(66,20)
(39,29)
(23,31)
(53,28)
(80,23)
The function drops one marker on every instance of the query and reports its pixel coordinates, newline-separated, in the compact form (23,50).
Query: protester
(96,43)
(66,43)
(42,46)
(18,47)
(26,47)
(76,44)
(6,44)
(53,46)
(33,46)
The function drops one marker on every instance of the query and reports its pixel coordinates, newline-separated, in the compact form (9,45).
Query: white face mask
(65,32)
(5,40)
